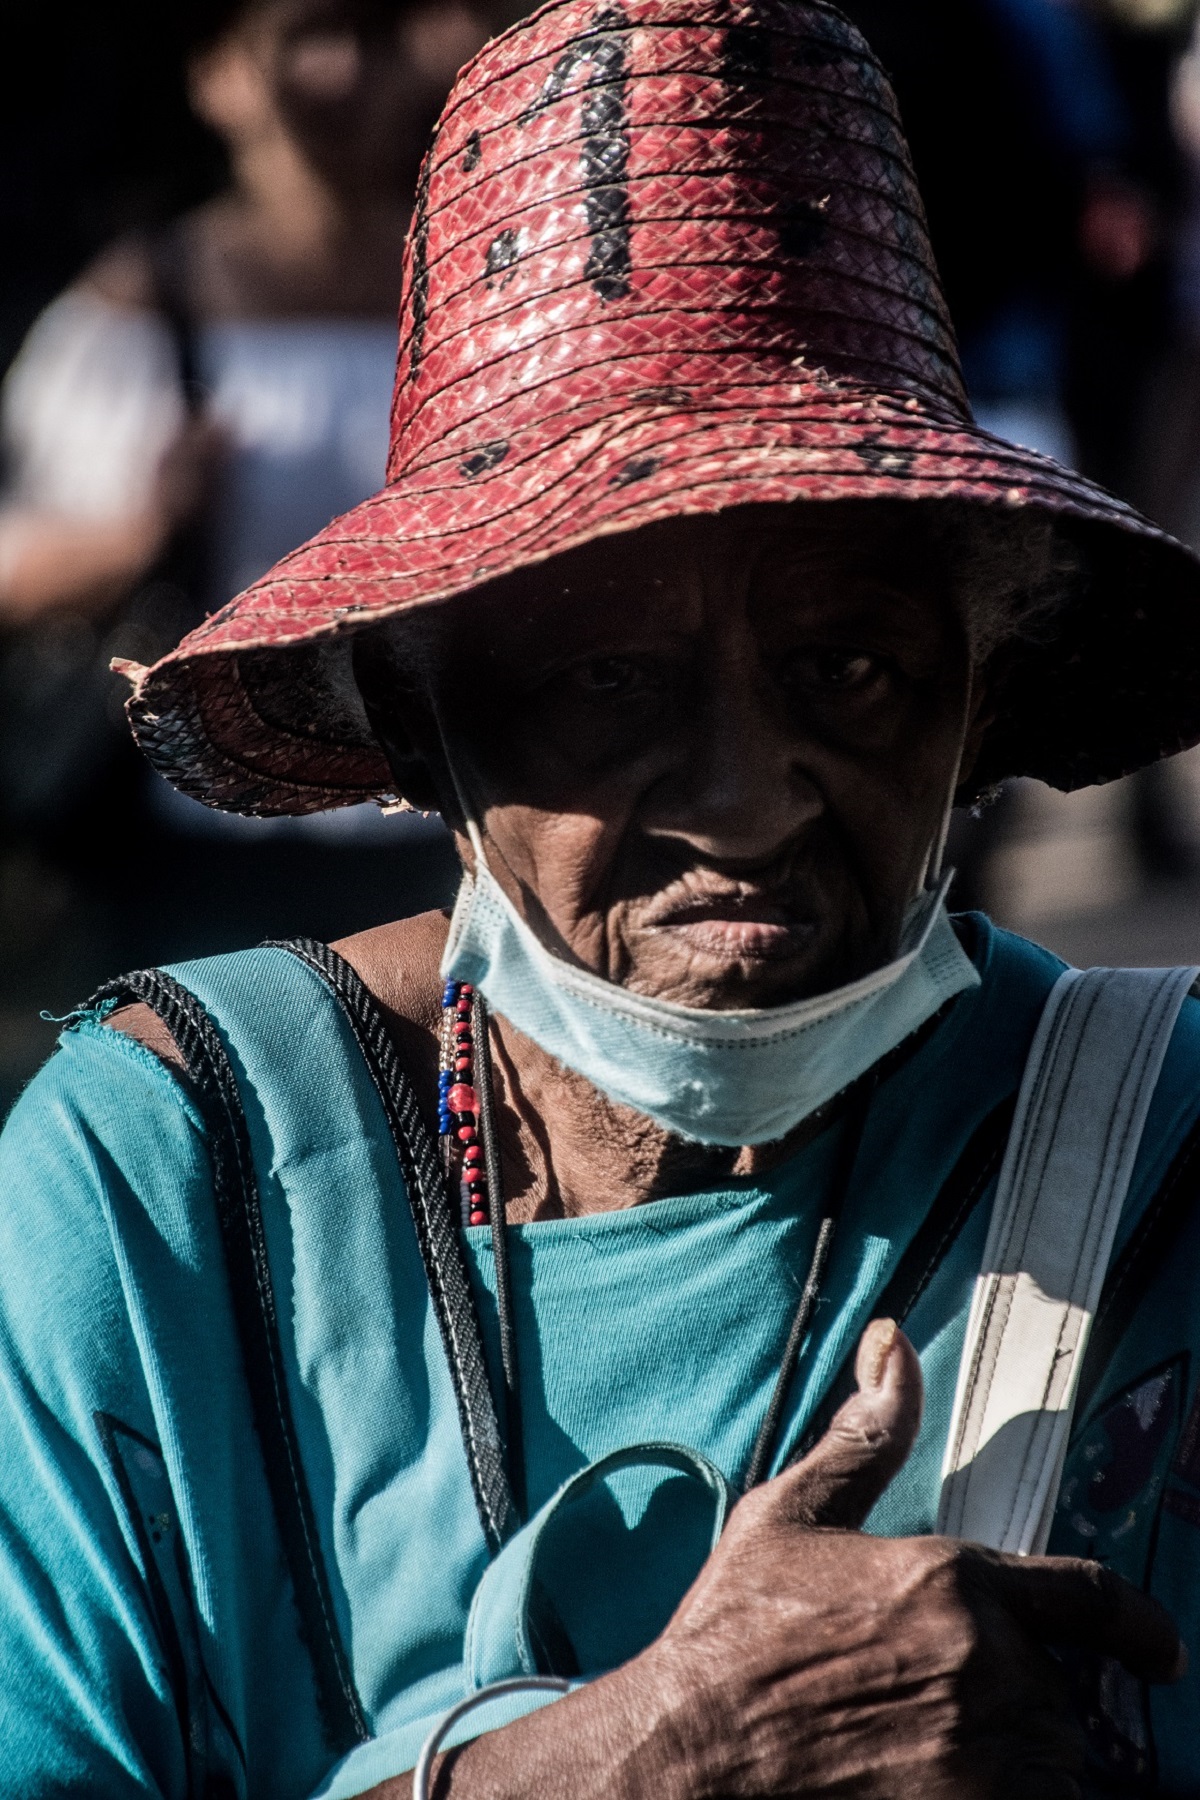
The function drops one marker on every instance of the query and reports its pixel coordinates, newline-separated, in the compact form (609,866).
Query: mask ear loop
(936,873)
(474,836)
(937,876)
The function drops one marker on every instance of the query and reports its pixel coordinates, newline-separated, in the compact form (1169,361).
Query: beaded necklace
(471,1163)
(458,1103)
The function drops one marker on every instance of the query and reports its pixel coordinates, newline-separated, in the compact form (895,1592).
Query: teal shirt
(148,1634)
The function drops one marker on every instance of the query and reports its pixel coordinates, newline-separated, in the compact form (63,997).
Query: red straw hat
(668,257)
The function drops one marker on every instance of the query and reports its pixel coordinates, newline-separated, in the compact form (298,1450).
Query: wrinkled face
(358,83)
(709,759)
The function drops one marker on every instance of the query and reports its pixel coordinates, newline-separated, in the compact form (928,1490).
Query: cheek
(892,805)
(565,859)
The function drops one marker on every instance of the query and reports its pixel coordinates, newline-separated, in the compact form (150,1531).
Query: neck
(288,242)
(302,211)
(566,1149)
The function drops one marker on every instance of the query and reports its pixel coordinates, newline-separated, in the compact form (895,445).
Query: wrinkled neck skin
(710,761)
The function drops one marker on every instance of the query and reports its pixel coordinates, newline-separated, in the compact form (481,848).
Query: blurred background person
(205,396)
(1024,142)
(1056,186)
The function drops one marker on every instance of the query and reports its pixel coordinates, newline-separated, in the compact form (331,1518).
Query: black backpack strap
(437,1237)
(167,262)
(243,1240)
(960,1194)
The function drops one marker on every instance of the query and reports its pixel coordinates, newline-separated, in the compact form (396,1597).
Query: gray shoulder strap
(1084,1098)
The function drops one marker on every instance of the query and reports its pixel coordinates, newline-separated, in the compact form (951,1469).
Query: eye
(608,677)
(834,671)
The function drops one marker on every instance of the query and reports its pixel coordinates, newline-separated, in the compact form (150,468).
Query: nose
(739,793)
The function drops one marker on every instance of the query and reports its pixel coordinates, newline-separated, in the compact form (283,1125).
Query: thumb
(868,1440)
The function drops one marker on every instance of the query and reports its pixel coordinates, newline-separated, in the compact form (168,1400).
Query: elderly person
(514,1298)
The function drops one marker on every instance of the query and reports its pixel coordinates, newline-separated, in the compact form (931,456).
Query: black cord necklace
(471,1161)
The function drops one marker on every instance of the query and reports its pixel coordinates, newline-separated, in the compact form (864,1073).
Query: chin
(716,982)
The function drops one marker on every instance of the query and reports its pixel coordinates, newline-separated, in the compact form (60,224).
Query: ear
(400,717)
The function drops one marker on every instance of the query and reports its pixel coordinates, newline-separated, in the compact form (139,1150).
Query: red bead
(465,1134)
(462,1098)
(462,1065)
(479,1218)
(474,1154)
(465,991)
(463,1033)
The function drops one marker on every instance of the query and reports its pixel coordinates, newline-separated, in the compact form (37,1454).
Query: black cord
(768,1432)
(256,1317)
(504,1297)
(439,1239)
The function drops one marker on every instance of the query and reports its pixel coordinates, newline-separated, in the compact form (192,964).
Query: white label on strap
(1085,1094)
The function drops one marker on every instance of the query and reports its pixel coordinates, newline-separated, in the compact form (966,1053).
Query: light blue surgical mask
(715,1077)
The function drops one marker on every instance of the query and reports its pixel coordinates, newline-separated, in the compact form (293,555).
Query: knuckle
(857,1428)
(947,1567)
(1108,1587)
(962,1641)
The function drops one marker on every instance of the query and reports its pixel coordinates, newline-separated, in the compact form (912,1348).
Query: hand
(809,1659)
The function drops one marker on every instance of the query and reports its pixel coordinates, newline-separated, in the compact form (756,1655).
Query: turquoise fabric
(147,1632)
(530,1593)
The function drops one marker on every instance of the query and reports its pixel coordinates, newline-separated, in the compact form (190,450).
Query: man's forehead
(727,546)
(808,562)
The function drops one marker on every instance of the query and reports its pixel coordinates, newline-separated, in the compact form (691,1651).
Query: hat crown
(672,201)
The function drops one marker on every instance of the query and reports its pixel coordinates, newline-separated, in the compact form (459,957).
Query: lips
(738,928)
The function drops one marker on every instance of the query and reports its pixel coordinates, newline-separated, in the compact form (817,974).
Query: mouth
(740,928)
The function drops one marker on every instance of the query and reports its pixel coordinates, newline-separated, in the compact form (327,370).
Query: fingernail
(879,1337)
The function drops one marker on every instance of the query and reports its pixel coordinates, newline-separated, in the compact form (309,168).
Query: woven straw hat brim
(251,713)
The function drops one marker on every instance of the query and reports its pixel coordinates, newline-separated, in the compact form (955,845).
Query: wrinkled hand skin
(810,1659)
